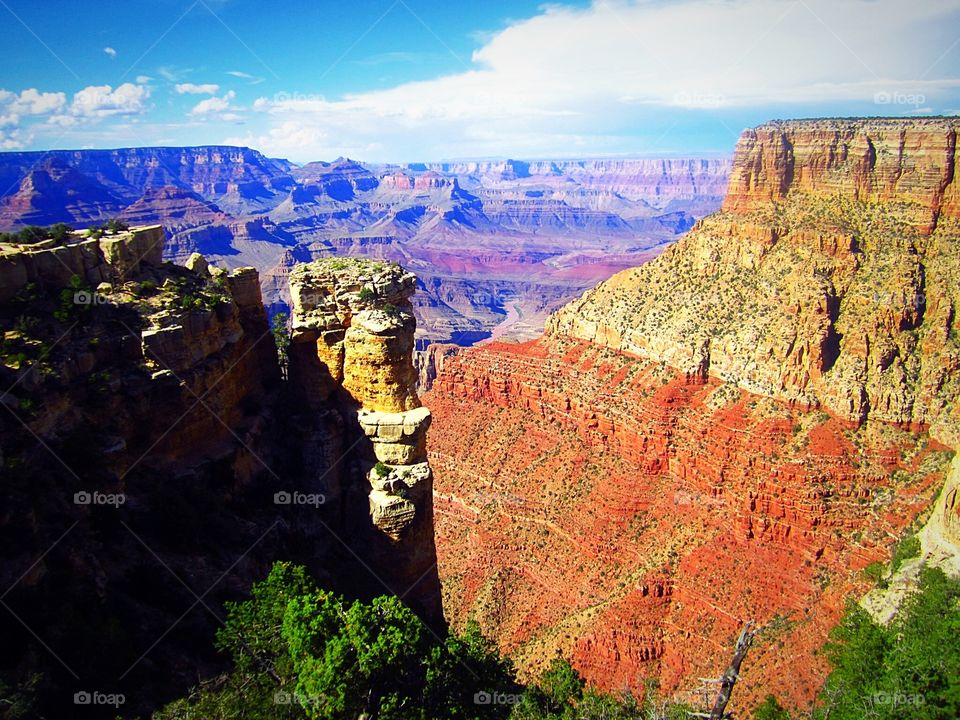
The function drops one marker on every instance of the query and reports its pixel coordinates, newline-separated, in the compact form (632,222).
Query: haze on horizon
(422,80)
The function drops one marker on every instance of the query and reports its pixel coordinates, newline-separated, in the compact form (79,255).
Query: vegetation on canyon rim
(302,652)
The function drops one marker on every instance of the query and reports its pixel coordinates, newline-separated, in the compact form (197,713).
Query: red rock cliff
(731,431)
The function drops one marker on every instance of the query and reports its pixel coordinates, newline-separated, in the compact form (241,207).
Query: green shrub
(770,709)
(907,548)
(877,572)
(907,669)
(147,287)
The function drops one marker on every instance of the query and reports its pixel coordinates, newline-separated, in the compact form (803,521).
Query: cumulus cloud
(214,104)
(11,139)
(111,52)
(192,89)
(574,73)
(31,102)
(100,101)
(104,101)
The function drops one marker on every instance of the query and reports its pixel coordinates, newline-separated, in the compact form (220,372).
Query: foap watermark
(94,697)
(896,97)
(283,697)
(485,697)
(299,498)
(85,497)
(896,700)
(699,99)
(86,297)
(284,97)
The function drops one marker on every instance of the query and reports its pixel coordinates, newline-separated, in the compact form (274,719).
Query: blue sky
(405,80)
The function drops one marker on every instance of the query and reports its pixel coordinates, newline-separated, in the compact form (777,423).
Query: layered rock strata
(352,344)
(829,279)
(731,431)
(116,257)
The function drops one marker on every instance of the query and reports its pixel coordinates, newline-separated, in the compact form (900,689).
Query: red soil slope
(595,505)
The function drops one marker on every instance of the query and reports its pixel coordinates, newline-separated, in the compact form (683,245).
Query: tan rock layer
(112,258)
(869,160)
(831,278)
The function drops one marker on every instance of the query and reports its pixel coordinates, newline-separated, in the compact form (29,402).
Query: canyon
(496,245)
(730,432)
(735,430)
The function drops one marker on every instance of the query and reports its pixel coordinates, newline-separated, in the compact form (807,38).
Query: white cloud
(251,79)
(143,79)
(100,101)
(111,52)
(31,102)
(572,73)
(214,104)
(192,89)
(12,139)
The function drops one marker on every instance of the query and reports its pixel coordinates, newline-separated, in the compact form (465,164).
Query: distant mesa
(485,237)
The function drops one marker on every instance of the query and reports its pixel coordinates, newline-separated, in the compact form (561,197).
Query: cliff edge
(828,279)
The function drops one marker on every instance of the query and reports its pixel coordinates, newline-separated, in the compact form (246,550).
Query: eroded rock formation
(152,455)
(352,345)
(830,278)
(731,431)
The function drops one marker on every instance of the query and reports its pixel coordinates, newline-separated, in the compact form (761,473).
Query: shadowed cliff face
(731,431)
(155,465)
(352,346)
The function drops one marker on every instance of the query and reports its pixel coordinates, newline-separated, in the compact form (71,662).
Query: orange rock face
(875,160)
(596,505)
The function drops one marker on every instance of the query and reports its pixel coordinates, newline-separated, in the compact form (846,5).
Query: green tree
(60,231)
(302,652)
(281,338)
(463,672)
(770,709)
(909,669)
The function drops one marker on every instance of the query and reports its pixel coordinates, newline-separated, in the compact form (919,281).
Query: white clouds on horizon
(575,73)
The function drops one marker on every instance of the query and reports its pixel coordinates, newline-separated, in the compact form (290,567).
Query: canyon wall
(731,431)
(156,464)
(832,273)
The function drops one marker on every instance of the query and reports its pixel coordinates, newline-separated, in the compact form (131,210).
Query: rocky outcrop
(136,445)
(876,160)
(352,345)
(829,279)
(152,455)
(115,257)
(353,329)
